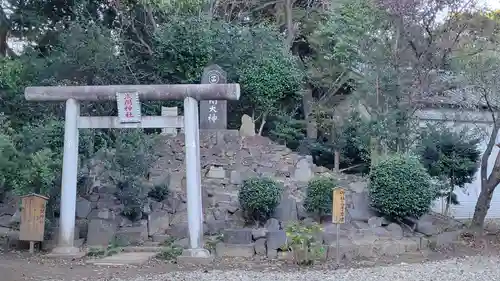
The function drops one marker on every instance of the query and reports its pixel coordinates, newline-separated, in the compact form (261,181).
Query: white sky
(492,4)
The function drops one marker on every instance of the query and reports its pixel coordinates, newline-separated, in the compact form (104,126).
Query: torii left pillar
(72,95)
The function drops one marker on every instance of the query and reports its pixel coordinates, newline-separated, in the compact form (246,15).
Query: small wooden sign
(32,226)
(129,107)
(338,207)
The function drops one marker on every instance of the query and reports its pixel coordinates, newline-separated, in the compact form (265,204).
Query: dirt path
(21,266)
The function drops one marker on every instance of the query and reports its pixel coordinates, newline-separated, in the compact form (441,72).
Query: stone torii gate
(129,116)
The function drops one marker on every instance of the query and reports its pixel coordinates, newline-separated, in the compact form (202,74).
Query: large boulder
(83,208)
(238,236)
(276,239)
(303,170)
(5,220)
(100,232)
(359,209)
(159,222)
(133,235)
(286,211)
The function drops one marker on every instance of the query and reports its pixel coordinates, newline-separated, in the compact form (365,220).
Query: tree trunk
(337,161)
(374,151)
(3,42)
(262,123)
(488,183)
(311,125)
(482,207)
(289,22)
(4,32)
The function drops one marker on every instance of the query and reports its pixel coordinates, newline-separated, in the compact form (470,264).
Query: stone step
(127,258)
(160,238)
(151,243)
(235,250)
(142,249)
(49,245)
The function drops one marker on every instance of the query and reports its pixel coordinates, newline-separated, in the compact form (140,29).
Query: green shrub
(259,197)
(401,187)
(9,164)
(159,192)
(319,195)
(131,196)
(452,157)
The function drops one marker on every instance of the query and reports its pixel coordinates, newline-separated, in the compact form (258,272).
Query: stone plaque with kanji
(213,113)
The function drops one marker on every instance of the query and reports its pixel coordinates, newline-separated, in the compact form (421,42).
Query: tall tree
(479,65)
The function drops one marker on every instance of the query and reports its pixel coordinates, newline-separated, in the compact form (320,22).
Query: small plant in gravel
(259,197)
(159,192)
(170,251)
(113,248)
(319,196)
(401,187)
(304,241)
(212,241)
(169,241)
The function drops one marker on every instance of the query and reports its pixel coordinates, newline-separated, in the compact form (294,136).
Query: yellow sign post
(338,214)
(338,207)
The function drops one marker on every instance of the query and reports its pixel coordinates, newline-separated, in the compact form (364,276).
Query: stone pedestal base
(195,257)
(66,253)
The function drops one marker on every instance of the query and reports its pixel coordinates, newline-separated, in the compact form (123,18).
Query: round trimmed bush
(319,195)
(259,197)
(401,187)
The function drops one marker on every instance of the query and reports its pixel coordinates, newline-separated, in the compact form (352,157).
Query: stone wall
(226,160)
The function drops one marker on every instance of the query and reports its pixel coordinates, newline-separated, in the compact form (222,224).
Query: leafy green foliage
(288,131)
(259,197)
(305,242)
(170,253)
(212,241)
(184,46)
(130,163)
(113,248)
(319,195)
(449,155)
(401,187)
(159,192)
(350,138)
(9,164)
(269,83)
(170,250)
(41,174)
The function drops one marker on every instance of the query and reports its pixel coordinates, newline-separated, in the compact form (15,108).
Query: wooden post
(32,226)
(338,215)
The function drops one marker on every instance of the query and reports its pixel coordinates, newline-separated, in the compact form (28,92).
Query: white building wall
(478,123)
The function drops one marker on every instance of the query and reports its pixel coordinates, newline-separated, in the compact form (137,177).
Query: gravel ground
(476,268)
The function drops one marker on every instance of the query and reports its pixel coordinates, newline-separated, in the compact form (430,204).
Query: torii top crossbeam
(146,92)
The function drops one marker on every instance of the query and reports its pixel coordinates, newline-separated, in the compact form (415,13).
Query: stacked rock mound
(227,160)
